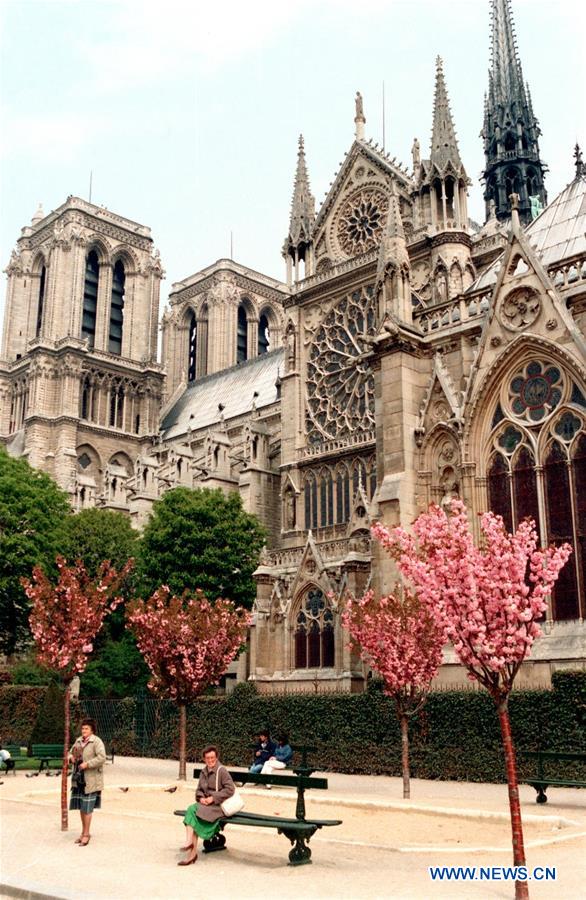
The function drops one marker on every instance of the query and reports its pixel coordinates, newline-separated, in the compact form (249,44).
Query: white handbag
(233,804)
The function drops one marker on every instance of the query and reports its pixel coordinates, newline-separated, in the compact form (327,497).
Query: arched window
(202,341)
(556,501)
(314,641)
(263,335)
(242,335)
(117,309)
(90,298)
(310,494)
(116,419)
(192,358)
(41,301)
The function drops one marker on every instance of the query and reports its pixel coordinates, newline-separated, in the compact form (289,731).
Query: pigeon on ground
(171,790)
(124,790)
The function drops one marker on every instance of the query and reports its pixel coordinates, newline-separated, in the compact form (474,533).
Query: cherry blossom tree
(401,639)
(65,619)
(188,643)
(491,599)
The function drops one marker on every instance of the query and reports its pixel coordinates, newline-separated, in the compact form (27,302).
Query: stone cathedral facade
(410,356)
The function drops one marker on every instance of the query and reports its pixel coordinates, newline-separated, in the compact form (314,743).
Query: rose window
(361,222)
(340,384)
(536,391)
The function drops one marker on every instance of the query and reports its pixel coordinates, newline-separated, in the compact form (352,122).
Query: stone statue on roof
(536,206)
(359,106)
(416,154)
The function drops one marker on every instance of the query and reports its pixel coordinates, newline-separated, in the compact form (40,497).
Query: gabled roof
(238,390)
(558,233)
(369,151)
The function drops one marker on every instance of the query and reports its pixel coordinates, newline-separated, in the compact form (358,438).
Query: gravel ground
(383,849)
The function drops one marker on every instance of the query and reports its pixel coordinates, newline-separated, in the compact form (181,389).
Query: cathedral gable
(524,303)
(353,215)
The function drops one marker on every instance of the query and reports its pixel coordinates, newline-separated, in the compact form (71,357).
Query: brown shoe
(186,848)
(187,862)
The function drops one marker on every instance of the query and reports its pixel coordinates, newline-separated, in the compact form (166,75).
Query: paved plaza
(384,848)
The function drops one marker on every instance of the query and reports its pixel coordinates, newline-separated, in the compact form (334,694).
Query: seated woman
(201,818)
(280,759)
(263,750)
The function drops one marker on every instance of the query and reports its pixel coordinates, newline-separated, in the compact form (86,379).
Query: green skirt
(204,830)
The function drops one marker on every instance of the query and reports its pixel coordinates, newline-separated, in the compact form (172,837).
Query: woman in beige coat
(88,756)
(201,818)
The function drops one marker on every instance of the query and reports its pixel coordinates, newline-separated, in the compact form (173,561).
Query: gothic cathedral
(410,356)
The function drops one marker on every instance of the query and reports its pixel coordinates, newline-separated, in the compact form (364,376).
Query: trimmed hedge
(19,710)
(456,735)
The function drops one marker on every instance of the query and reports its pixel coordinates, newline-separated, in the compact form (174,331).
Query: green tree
(201,539)
(117,669)
(33,512)
(94,535)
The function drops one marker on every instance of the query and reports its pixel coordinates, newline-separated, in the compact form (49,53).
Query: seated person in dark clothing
(263,750)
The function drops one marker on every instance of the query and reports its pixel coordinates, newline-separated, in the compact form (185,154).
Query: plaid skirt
(86,803)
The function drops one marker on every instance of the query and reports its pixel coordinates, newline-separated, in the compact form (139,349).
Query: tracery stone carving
(361,221)
(340,384)
(520,308)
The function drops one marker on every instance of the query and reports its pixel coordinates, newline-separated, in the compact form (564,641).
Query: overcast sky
(188,113)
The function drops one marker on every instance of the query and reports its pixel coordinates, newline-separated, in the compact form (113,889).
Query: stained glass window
(314,642)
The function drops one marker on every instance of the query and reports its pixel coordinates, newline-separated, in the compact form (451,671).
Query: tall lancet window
(117,309)
(263,335)
(242,336)
(90,298)
(41,302)
(192,359)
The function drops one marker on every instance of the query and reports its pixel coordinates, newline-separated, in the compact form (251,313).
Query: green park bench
(47,754)
(51,753)
(542,781)
(297,830)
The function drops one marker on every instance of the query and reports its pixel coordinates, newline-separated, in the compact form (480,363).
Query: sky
(188,114)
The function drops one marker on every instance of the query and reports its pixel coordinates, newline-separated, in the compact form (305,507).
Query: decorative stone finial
(580,167)
(38,216)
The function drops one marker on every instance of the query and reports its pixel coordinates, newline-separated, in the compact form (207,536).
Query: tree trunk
(182,740)
(405,755)
(521,887)
(65,767)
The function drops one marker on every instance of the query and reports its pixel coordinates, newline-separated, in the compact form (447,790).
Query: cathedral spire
(442,182)
(510,129)
(444,146)
(298,243)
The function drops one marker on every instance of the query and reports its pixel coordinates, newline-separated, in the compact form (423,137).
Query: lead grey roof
(234,388)
(558,233)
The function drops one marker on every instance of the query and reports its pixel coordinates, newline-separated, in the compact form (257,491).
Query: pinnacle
(444,145)
(393,247)
(303,203)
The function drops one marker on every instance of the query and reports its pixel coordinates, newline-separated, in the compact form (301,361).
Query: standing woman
(201,818)
(88,756)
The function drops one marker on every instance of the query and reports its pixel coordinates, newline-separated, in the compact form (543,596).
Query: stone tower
(298,246)
(79,381)
(510,129)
